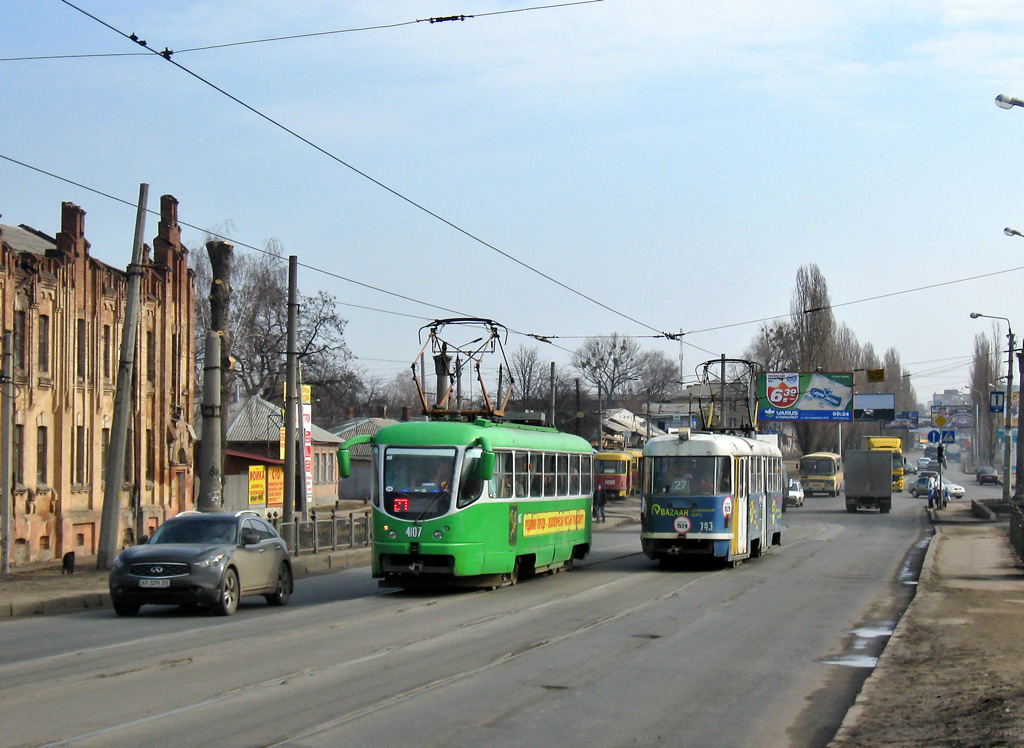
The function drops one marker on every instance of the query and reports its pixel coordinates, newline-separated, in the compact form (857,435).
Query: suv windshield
(418,481)
(196,531)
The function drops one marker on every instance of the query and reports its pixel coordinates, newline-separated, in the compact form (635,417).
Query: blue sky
(676,161)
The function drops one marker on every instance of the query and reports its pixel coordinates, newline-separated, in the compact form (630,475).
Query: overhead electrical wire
(166,54)
(378,27)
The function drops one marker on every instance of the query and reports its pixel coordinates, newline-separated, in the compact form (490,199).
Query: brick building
(66,310)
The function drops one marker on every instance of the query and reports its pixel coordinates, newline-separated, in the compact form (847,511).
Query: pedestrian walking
(599,502)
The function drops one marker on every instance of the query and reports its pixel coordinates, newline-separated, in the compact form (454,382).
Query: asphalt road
(616,653)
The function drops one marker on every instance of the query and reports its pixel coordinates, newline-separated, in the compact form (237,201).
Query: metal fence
(326,533)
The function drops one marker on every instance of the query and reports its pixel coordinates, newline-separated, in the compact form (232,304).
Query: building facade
(66,310)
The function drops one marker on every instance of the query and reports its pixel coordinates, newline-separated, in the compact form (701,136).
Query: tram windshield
(610,467)
(690,476)
(418,481)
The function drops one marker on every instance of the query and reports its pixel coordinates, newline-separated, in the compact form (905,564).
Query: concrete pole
(110,522)
(292,394)
(210,476)
(1018,494)
(5,456)
(551,410)
(1008,418)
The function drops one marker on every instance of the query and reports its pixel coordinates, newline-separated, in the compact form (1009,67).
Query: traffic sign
(948,437)
(934,436)
(940,420)
(996,402)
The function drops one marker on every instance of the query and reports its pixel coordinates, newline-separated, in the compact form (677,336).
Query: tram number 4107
(413,532)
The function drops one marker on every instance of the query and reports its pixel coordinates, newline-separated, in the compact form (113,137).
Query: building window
(81,349)
(150,456)
(81,456)
(19,339)
(41,452)
(44,342)
(106,351)
(150,357)
(129,456)
(104,452)
(18,453)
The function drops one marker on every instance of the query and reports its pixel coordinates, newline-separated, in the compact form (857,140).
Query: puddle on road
(865,647)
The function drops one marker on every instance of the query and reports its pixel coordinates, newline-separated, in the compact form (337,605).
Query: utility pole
(110,522)
(551,411)
(291,411)
(1018,494)
(210,474)
(5,468)
(1008,419)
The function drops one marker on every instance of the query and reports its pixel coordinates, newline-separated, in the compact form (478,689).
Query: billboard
(905,419)
(874,407)
(805,396)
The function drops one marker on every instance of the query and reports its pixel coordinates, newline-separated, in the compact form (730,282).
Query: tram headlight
(438,534)
(392,534)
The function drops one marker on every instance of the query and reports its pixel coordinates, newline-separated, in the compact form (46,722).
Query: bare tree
(659,376)
(259,324)
(608,362)
(984,372)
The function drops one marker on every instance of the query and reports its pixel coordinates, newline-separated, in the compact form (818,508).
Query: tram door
(740,523)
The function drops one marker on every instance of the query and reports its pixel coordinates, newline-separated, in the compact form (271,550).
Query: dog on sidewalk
(68,563)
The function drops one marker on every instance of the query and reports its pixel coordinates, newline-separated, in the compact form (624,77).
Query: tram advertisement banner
(805,396)
(545,523)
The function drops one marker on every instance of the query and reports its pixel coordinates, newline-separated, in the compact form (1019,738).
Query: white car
(795,493)
(923,463)
(956,491)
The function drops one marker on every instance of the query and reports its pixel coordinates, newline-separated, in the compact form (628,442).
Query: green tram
(475,504)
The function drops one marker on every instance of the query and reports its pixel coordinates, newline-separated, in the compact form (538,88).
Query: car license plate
(154,583)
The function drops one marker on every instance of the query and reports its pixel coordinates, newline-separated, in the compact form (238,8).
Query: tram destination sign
(805,396)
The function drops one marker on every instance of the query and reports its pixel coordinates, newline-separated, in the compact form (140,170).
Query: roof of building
(257,420)
(27,239)
(360,427)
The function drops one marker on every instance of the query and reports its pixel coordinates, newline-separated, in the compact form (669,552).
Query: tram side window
(471,485)
(501,483)
(586,475)
(724,475)
(536,474)
(574,475)
(522,474)
(562,463)
(549,475)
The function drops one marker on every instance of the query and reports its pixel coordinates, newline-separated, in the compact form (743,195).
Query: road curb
(853,714)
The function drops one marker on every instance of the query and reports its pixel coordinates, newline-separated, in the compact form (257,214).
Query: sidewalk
(952,673)
(41,589)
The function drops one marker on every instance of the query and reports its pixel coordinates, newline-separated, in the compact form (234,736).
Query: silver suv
(203,558)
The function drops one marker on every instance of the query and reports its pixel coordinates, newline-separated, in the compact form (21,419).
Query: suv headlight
(212,559)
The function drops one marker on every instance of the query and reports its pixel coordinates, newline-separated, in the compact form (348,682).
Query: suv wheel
(227,602)
(284,587)
(126,609)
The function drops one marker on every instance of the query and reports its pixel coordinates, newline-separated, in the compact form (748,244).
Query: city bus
(822,472)
(475,504)
(617,473)
(714,495)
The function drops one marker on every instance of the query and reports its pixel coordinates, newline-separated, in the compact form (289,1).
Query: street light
(1007,102)
(1007,435)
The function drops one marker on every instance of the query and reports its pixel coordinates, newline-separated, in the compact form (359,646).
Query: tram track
(334,670)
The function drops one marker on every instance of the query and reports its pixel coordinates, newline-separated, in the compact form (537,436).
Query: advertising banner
(257,484)
(905,419)
(874,407)
(803,396)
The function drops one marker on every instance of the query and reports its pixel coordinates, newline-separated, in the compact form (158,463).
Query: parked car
(203,558)
(920,485)
(795,493)
(956,491)
(987,474)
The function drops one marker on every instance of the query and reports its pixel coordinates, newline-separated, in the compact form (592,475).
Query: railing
(339,531)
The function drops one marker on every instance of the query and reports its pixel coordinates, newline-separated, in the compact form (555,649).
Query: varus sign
(803,396)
